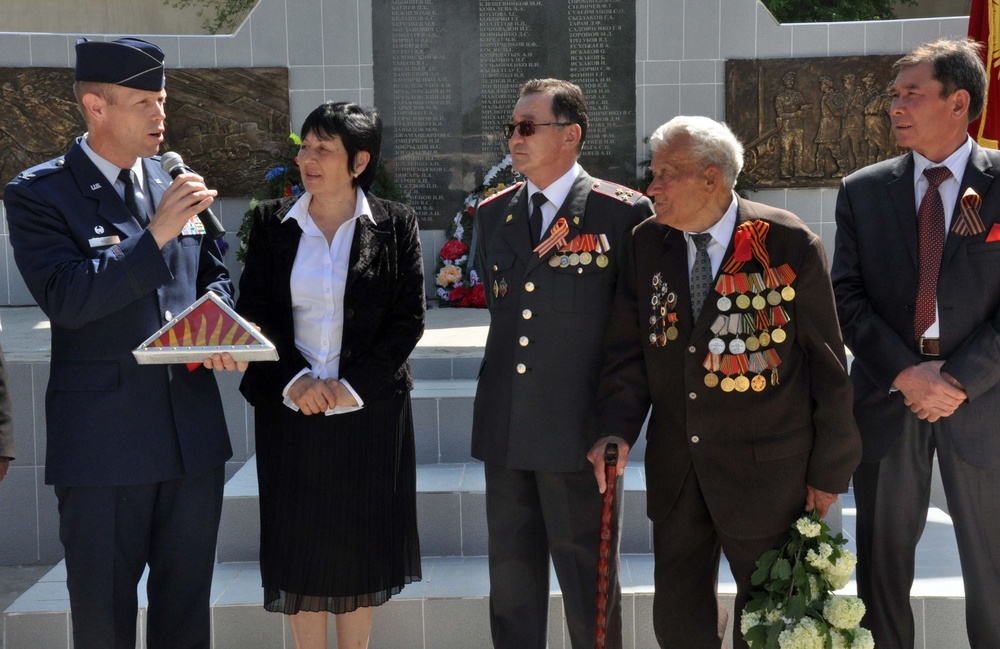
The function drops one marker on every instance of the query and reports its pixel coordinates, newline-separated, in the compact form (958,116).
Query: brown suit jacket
(753,452)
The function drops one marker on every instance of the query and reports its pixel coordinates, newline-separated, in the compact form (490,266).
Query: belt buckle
(929,346)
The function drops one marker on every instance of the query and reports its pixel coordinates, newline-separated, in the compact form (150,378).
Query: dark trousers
(110,534)
(686,548)
(892,497)
(532,515)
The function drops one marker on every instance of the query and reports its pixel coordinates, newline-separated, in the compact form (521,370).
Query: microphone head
(170,161)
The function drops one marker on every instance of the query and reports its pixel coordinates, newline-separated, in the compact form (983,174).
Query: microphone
(173,164)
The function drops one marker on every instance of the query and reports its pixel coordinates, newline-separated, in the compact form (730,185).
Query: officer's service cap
(129,62)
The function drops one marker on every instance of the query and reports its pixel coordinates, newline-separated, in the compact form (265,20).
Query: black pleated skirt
(337,506)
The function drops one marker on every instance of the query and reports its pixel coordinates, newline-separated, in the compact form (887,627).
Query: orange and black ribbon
(748,242)
(967,222)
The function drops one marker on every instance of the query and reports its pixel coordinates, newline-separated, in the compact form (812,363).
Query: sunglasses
(527,128)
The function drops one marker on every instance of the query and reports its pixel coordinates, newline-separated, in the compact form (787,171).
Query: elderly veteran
(724,322)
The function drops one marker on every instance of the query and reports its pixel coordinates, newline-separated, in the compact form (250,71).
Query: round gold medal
(554,261)
(727,385)
(742,383)
(765,339)
(586,258)
(672,333)
(752,343)
(774,298)
(742,301)
(778,335)
(574,259)
(758,302)
(602,260)
(788,294)
(711,380)
(758,383)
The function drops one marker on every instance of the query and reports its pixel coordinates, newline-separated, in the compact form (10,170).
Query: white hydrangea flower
(808,528)
(816,590)
(844,612)
(804,635)
(863,639)
(838,641)
(773,615)
(839,574)
(748,621)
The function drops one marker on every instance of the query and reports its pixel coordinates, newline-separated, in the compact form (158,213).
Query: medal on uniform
(586,258)
(602,246)
(742,286)
(764,338)
(757,364)
(554,261)
(712,363)
(602,261)
(663,322)
(756,281)
(574,259)
(727,384)
(564,261)
(787,276)
(752,344)
(741,383)
(724,285)
(720,325)
(773,361)
(496,289)
(779,318)
(737,346)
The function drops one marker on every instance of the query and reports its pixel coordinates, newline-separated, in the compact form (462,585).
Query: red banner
(984,26)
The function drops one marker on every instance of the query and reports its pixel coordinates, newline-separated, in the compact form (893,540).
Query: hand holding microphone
(172,163)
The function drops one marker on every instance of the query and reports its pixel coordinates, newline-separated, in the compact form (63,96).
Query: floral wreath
(457,285)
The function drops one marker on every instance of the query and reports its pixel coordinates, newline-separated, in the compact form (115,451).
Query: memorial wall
(446,77)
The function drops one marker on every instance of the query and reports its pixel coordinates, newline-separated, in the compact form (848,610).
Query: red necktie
(930,246)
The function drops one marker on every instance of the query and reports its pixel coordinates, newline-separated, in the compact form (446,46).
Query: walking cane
(604,549)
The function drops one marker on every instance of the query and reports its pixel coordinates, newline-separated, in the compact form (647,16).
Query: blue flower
(274,173)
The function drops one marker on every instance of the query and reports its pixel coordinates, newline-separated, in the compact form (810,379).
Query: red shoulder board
(619,192)
(500,193)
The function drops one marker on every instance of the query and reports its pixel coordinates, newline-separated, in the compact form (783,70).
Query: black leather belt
(929,346)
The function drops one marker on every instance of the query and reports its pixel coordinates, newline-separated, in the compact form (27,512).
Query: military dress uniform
(535,416)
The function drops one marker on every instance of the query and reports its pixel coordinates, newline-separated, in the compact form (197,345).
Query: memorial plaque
(810,122)
(446,79)
(229,124)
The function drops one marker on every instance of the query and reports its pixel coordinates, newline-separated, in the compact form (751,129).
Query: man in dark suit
(918,291)
(550,280)
(110,249)
(724,322)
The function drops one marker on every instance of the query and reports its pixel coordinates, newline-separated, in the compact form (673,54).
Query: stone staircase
(448,609)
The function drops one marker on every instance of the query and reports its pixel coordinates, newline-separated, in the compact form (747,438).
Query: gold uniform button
(529,287)
(521,369)
(695,439)
(495,267)
(523,340)
(526,314)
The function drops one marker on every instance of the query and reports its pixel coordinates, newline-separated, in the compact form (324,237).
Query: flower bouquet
(795,607)
(458,285)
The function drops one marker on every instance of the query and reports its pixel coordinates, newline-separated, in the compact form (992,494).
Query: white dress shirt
(319,277)
(110,171)
(722,233)
(555,194)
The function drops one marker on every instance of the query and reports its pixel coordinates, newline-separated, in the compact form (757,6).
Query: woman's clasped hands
(314,396)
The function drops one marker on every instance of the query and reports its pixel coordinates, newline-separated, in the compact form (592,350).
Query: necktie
(930,247)
(126,176)
(535,222)
(701,273)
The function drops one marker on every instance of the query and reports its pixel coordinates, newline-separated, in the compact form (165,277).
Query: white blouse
(319,277)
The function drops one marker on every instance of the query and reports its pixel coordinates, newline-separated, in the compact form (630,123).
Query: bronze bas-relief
(810,122)
(229,124)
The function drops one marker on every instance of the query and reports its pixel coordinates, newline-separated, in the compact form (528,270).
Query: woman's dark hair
(357,128)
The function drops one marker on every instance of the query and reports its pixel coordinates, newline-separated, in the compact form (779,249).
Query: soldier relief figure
(830,118)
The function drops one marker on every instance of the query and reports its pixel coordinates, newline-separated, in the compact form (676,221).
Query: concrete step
(448,609)
(451,512)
